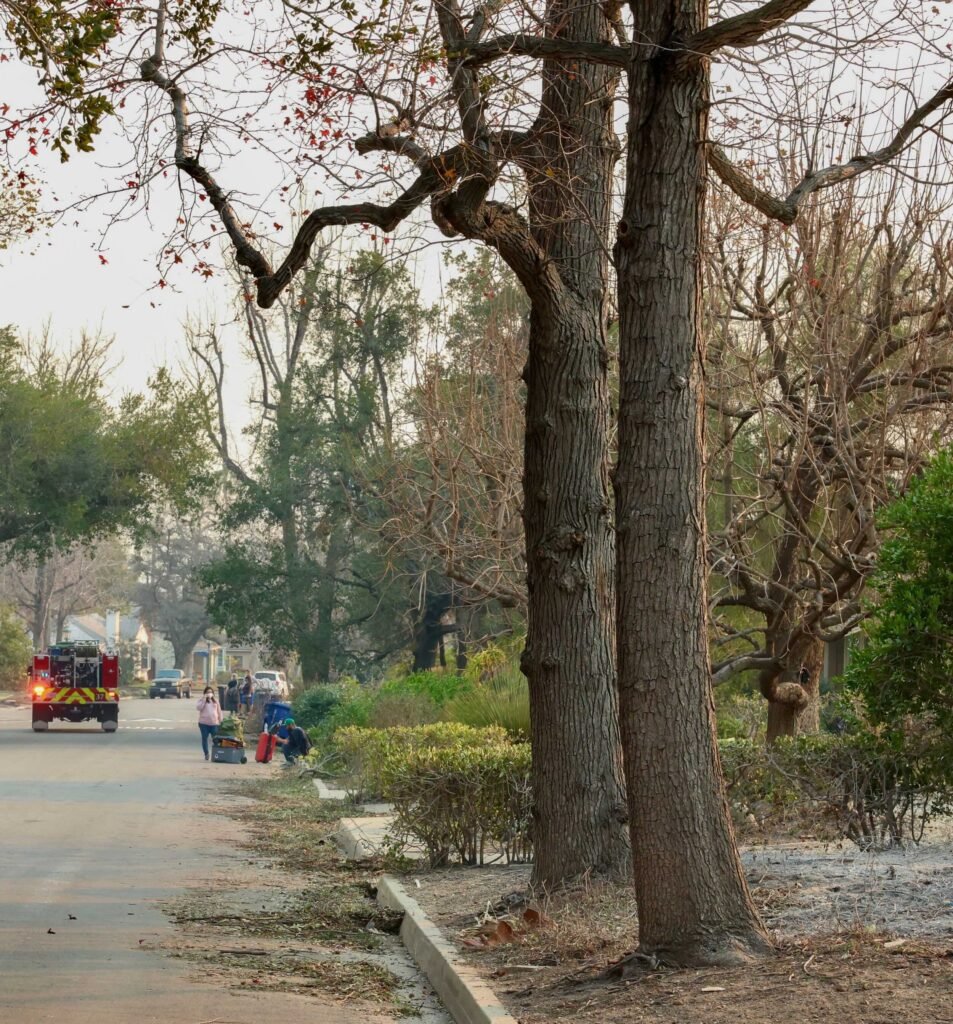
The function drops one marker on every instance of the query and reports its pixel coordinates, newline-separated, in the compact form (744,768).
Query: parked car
(170,682)
(271,682)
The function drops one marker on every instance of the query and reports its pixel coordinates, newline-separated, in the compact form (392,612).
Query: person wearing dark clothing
(297,744)
(231,694)
(248,693)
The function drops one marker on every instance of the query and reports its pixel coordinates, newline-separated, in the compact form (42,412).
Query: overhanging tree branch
(520,44)
(745,29)
(786,210)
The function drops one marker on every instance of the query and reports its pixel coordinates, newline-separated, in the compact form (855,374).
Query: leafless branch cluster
(831,380)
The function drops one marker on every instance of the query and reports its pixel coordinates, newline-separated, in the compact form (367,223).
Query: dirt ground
(296,918)
(862,938)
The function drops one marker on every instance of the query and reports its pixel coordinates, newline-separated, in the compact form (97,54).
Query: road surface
(96,831)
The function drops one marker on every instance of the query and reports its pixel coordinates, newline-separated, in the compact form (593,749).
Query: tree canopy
(75,467)
(906,665)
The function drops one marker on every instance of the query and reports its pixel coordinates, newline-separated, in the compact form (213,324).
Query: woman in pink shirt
(210,717)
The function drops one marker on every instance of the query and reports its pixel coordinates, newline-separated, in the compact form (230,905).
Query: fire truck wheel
(110,725)
(40,726)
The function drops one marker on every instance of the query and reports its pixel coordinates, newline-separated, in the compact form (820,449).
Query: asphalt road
(96,831)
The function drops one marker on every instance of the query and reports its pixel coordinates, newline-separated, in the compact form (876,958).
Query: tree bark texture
(793,703)
(694,905)
(580,811)
(793,699)
(42,595)
(430,629)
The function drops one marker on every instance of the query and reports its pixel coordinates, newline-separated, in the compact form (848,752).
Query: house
(115,631)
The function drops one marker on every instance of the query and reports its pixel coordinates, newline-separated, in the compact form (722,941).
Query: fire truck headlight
(39,690)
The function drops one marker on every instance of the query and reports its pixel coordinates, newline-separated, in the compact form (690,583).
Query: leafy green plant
(312,706)
(436,685)
(469,803)
(906,666)
(15,650)
(366,751)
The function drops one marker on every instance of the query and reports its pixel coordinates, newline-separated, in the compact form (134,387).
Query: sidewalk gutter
(465,994)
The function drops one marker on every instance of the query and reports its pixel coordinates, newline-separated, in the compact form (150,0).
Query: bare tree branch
(786,210)
(745,29)
(520,44)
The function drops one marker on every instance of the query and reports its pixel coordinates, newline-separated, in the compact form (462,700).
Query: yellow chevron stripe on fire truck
(78,695)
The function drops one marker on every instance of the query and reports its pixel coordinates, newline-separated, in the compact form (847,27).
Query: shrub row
(460,793)
(366,752)
(875,790)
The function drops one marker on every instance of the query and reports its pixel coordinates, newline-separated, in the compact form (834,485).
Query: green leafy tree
(304,571)
(907,664)
(75,467)
(15,648)
(65,42)
(170,594)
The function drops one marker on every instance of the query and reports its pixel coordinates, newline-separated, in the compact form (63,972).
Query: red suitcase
(266,747)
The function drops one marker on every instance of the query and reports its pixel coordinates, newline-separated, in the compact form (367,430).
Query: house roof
(93,626)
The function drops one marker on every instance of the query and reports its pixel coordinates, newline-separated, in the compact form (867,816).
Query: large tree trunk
(580,811)
(792,690)
(430,629)
(694,905)
(182,650)
(326,602)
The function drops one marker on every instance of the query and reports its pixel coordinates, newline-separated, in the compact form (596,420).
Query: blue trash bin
(276,711)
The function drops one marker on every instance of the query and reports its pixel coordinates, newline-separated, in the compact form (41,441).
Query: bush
(501,700)
(313,707)
(872,789)
(366,751)
(463,802)
(15,650)
(437,686)
(741,716)
(390,710)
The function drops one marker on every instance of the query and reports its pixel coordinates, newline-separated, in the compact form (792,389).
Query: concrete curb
(353,843)
(465,994)
(326,793)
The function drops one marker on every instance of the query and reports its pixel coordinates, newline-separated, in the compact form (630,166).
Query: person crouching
(297,744)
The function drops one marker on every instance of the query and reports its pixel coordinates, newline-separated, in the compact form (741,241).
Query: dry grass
(298,918)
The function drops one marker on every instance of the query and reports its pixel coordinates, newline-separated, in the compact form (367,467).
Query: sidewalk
(365,836)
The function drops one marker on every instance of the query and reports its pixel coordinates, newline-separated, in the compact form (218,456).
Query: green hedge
(468,803)
(867,788)
(366,751)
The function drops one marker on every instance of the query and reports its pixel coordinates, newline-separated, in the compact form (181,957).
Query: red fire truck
(76,682)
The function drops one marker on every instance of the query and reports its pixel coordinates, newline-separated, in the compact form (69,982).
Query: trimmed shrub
(366,751)
(469,803)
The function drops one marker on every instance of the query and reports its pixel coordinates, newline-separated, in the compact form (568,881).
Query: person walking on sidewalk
(210,717)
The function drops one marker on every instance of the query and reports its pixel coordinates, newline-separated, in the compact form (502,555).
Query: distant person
(210,717)
(248,694)
(296,745)
(231,694)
